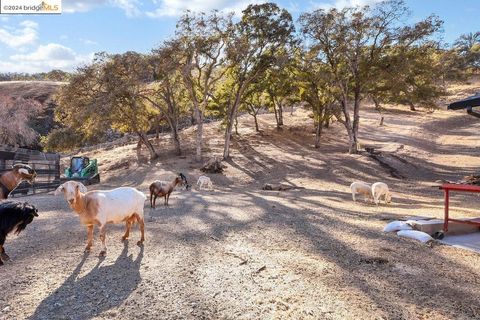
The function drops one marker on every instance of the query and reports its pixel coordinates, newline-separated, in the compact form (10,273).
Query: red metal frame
(447,187)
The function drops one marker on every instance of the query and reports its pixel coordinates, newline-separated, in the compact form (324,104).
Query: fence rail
(47,166)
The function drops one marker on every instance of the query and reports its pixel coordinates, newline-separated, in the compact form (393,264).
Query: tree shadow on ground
(103,288)
(317,227)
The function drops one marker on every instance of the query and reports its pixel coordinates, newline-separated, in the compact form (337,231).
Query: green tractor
(83,170)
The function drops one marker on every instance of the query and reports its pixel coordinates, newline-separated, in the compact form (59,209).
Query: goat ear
(59,190)
(80,187)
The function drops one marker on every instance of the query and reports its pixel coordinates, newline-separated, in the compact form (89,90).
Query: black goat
(14,217)
(185,182)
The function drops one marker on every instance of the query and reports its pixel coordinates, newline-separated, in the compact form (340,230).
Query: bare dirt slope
(242,253)
(41,91)
(38,90)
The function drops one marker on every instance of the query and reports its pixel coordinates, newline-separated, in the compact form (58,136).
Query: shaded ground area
(242,253)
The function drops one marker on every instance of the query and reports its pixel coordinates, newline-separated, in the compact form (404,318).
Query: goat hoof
(4,257)
(124,238)
(103,253)
(140,243)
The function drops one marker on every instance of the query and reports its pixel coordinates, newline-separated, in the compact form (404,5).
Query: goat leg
(128,225)
(89,238)
(102,238)
(142,229)
(168,197)
(3,254)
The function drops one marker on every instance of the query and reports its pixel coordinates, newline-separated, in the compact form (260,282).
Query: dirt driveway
(242,253)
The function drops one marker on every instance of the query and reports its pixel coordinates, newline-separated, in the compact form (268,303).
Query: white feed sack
(397,226)
(417,235)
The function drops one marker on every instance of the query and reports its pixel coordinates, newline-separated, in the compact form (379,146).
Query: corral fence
(47,166)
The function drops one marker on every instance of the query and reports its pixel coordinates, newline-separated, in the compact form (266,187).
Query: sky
(40,43)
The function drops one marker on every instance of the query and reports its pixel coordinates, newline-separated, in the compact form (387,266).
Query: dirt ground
(239,252)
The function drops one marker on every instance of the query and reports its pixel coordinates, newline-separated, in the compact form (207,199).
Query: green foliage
(467,46)
(315,86)
(354,45)
(108,94)
(62,139)
(216,65)
(411,75)
(254,46)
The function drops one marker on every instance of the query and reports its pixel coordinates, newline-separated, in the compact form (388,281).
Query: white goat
(204,180)
(362,188)
(123,204)
(380,189)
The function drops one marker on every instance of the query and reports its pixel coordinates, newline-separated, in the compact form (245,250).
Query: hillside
(41,91)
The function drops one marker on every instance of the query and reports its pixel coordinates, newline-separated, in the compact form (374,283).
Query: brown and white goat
(118,205)
(160,189)
(11,179)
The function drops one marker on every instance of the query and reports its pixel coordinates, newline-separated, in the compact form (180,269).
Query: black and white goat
(14,217)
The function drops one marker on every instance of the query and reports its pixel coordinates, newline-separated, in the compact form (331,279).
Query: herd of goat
(124,204)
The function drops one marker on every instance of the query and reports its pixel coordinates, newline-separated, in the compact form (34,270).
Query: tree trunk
(174,135)
(276,113)
(280,115)
(412,106)
(378,107)
(352,139)
(230,119)
(172,118)
(228,133)
(356,122)
(352,147)
(318,134)
(176,142)
(256,122)
(199,120)
(236,125)
(143,137)
(192,119)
